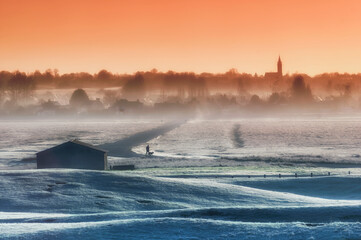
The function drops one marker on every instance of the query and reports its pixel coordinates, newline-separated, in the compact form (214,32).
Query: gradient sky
(312,36)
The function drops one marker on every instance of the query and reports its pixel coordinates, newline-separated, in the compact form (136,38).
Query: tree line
(18,85)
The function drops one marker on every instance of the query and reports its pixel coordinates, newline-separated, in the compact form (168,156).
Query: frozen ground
(308,141)
(206,181)
(74,204)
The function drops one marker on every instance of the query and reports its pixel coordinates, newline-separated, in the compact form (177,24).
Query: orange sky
(183,35)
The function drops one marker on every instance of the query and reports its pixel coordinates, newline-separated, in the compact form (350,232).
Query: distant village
(157,94)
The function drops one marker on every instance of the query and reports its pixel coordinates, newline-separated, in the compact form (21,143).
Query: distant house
(73,154)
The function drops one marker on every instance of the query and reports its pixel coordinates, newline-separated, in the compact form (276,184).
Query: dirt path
(123,147)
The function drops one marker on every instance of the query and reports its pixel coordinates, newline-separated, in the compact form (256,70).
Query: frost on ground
(68,204)
(207,180)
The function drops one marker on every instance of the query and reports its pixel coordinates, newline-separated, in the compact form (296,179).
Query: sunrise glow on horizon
(193,35)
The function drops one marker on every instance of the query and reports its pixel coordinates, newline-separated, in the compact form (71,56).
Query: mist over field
(153,94)
(203,156)
(234,156)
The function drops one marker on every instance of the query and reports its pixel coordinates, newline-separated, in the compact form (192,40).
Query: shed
(73,154)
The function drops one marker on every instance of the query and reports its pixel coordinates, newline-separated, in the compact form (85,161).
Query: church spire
(279,66)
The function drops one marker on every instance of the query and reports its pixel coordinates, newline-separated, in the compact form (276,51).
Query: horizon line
(159,71)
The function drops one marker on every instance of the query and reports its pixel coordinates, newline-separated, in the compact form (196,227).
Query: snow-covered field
(206,181)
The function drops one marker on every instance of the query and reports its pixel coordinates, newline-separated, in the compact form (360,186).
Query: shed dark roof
(77,142)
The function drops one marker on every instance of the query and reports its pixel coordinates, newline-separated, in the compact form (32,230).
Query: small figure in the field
(147,151)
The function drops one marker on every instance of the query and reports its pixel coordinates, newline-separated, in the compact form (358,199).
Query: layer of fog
(158,95)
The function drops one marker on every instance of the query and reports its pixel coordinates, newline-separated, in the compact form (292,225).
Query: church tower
(279,67)
(274,76)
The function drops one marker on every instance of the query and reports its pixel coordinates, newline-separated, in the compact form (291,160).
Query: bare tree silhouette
(300,91)
(134,88)
(20,87)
